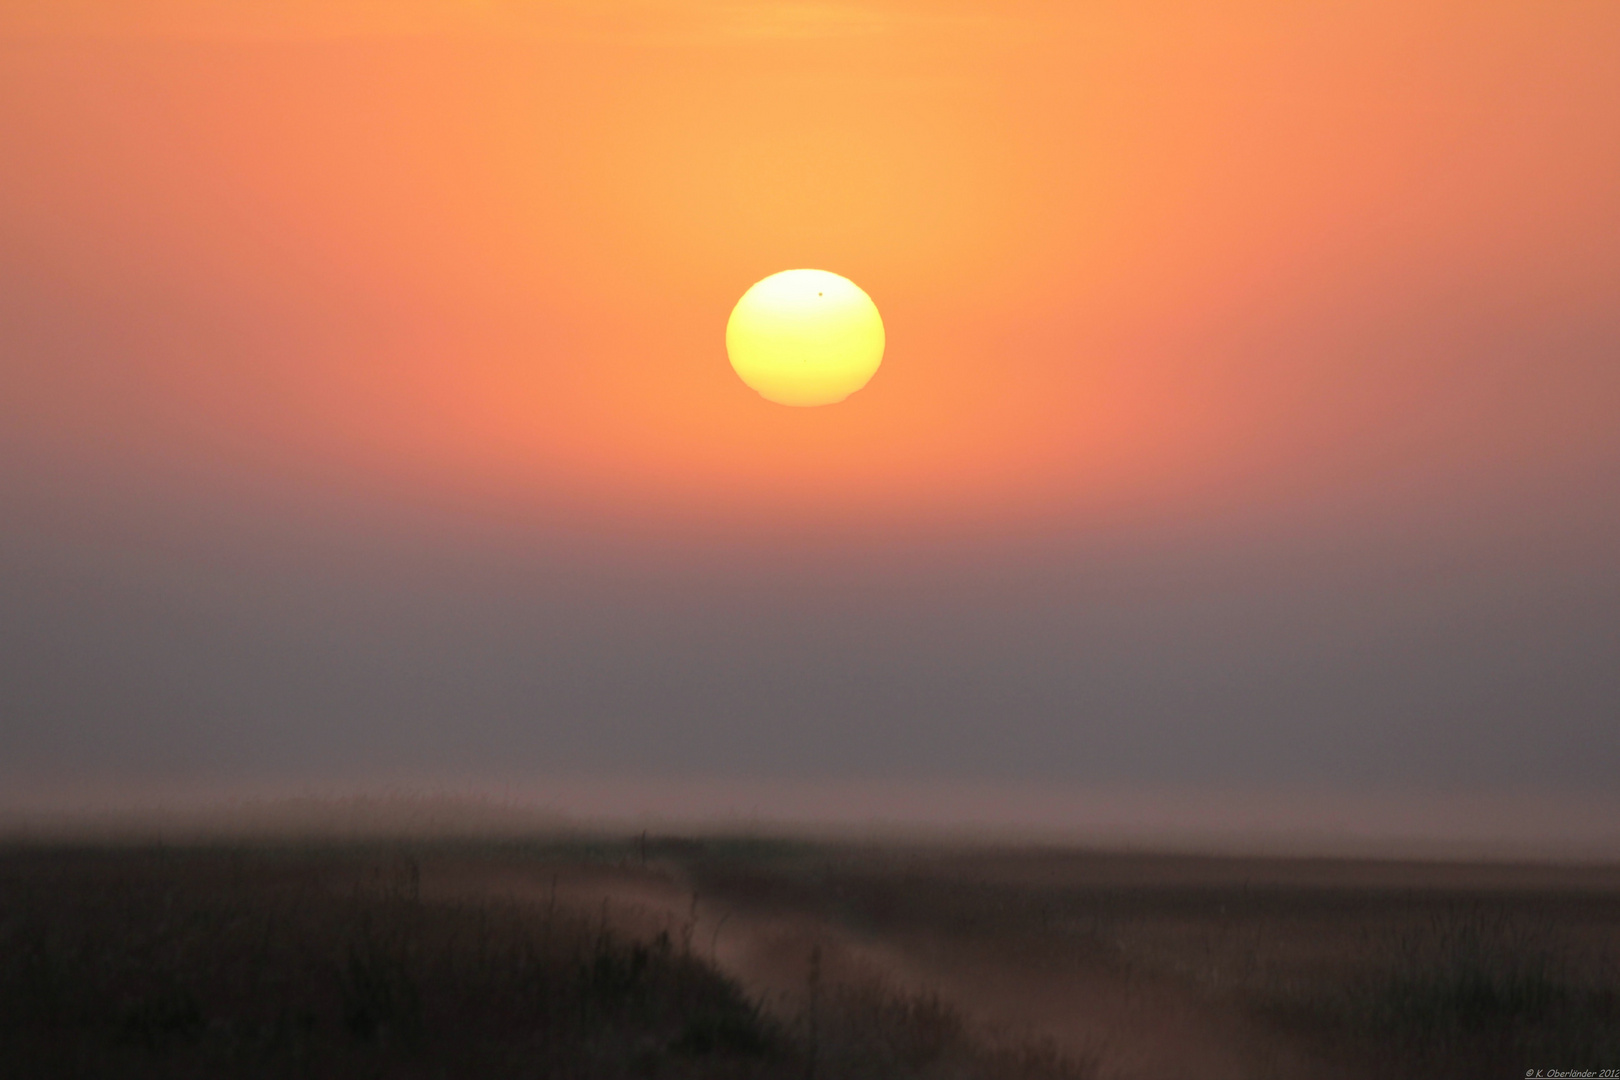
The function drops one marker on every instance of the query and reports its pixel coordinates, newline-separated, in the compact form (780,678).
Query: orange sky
(1160,256)
(1250,415)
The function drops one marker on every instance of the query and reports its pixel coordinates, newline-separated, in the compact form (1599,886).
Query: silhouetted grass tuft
(317,964)
(231,964)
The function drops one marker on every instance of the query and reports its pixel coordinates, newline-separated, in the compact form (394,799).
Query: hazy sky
(1250,415)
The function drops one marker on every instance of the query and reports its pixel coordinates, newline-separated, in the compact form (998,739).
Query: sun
(805,337)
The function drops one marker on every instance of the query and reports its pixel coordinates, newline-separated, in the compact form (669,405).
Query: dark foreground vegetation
(802,962)
(264,962)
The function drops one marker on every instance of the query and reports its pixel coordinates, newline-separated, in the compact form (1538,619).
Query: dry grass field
(1159,966)
(757,958)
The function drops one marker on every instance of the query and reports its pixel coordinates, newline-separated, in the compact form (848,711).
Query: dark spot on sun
(818,294)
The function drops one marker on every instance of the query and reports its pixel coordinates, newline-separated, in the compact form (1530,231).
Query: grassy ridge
(261,963)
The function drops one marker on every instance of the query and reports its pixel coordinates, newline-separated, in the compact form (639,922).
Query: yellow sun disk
(805,337)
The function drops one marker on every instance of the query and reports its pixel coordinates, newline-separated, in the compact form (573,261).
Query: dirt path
(1134,1026)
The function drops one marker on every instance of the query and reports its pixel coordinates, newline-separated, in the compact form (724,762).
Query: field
(663,957)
